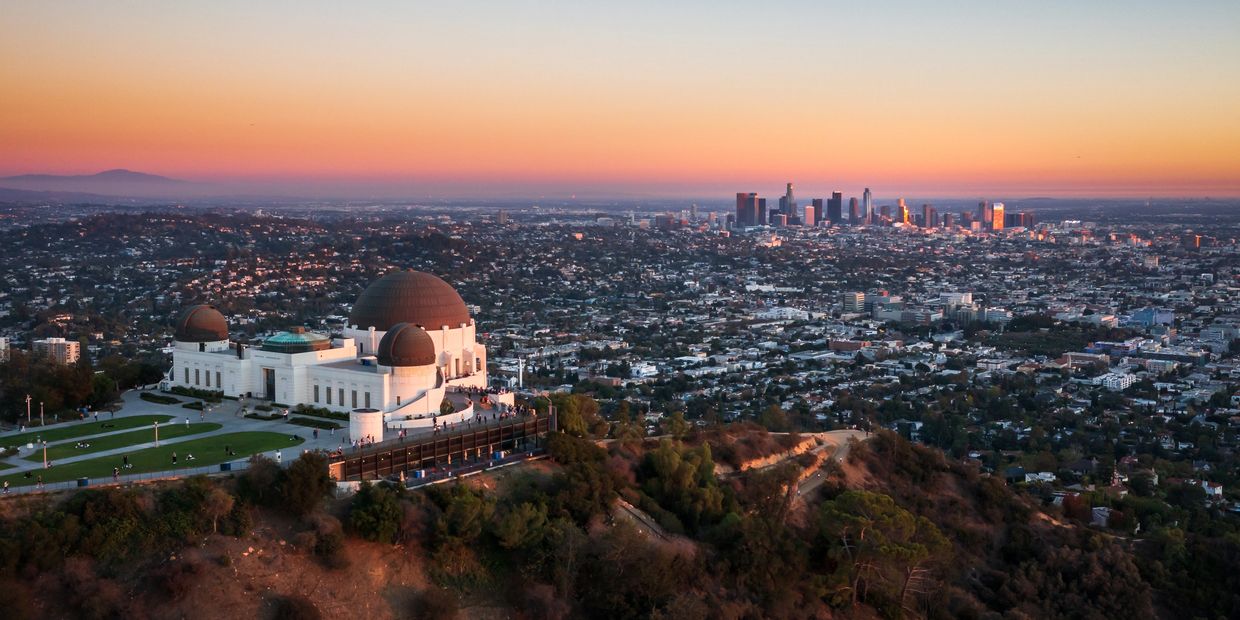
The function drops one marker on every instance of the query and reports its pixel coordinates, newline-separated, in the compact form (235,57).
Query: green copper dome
(296,340)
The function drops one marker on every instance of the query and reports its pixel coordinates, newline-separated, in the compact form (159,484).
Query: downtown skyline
(389,100)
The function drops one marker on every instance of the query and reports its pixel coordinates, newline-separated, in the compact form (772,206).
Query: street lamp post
(41,414)
(28,399)
(157,433)
(44,454)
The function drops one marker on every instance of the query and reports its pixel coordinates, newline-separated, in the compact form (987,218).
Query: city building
(58,349)
(788,206)
(854,211)
(867,202)
(835,208)
(746,209)
(854,302)
(409,341)
(1153,316)
(996,212)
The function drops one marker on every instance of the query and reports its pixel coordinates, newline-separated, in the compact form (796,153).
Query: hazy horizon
(393,99)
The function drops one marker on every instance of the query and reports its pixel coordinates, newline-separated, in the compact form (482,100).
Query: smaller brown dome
(202,323)
(406,344)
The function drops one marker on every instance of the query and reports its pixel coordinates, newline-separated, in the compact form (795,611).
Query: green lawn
(121,440)
(58,433)
(207,450)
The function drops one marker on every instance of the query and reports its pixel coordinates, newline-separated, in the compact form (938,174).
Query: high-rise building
(949,220)
(502,218)
(984,213)
(867,202)
(1020,219)
(819,213)
(761,217)
(854,211)
(929,217)
(58,349)
(810,214)
(747,209)
(790,205)
(996,212)
(902,211)
(835,208)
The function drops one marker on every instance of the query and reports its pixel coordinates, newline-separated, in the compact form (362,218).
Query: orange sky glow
(687,101)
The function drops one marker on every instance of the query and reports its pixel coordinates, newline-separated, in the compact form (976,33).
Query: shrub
(305,483)
(376,513)
(196,405)
(157,399)
(311,422)
(207,395)
(320,412)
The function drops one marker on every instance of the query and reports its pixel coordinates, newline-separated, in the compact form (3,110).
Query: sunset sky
(632,98)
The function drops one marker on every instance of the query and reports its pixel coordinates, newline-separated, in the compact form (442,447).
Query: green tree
(675,425)
(683,481)
(376,513)
(879,546)
(520,526)
(305,483)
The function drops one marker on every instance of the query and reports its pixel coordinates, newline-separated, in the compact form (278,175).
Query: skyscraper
(854,211)
(902,211)
(760,218)
(746,209)
(790,206)
(819,213)
(984,213)
(867,201)
(996,212)
(835,208)
(929,218)
(811,214)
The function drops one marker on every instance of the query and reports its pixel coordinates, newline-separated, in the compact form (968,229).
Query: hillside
(634,530)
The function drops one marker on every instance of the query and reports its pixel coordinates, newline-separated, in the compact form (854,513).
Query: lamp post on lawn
(28,399)
(44,454)
(41,413)
(157,433)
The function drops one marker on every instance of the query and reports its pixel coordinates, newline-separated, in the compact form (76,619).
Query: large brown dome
(201,323)
(406,344)
(409,297)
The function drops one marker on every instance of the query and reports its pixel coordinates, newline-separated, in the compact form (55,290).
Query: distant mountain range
(116,182)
